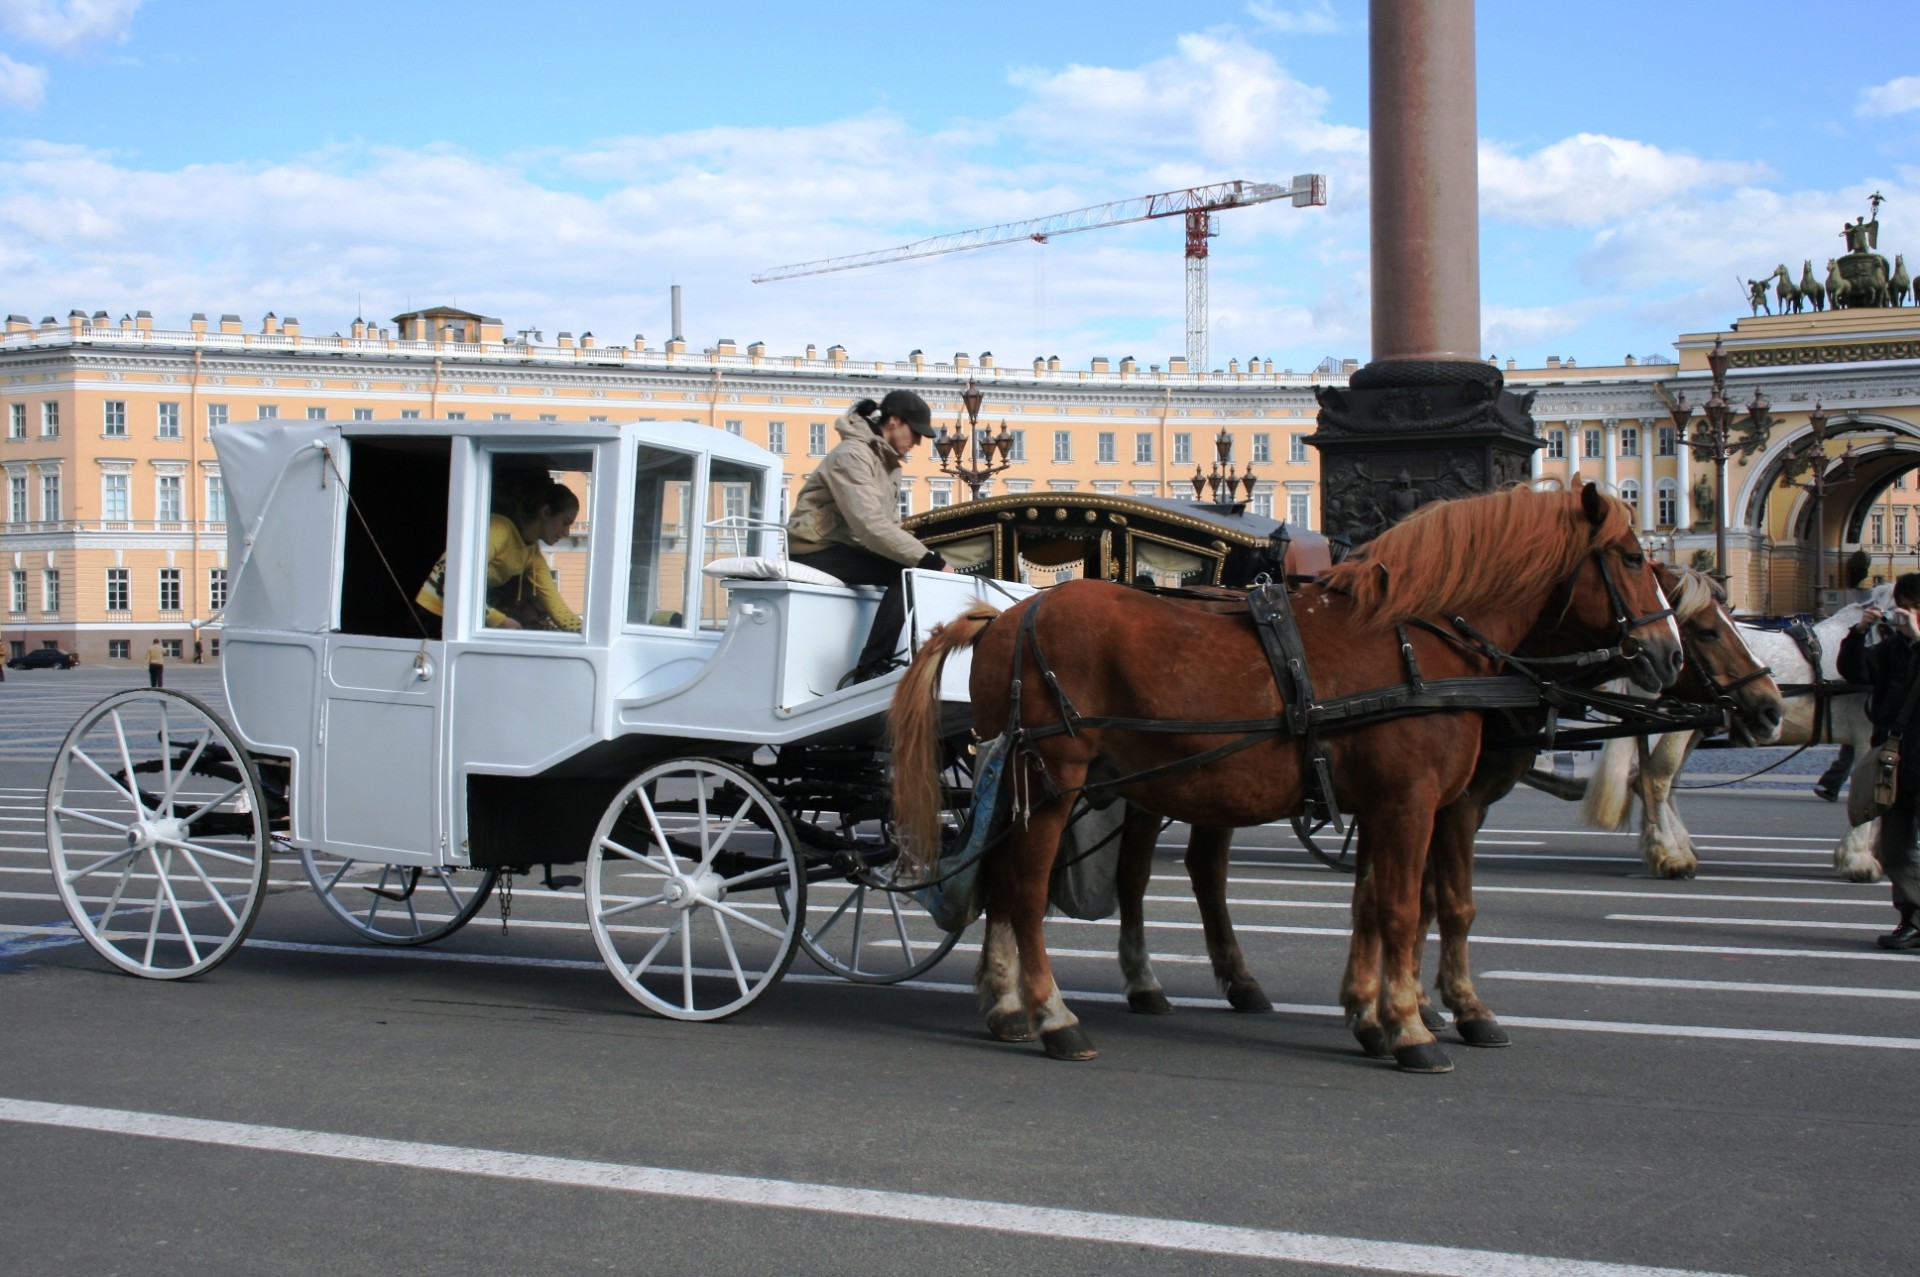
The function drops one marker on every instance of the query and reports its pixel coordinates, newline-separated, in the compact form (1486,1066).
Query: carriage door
(382,792)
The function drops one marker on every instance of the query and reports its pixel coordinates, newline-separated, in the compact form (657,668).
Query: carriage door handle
(422,666)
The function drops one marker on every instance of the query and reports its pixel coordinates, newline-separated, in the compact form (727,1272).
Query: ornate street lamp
(1809,457)
(969,455)
(1715,439)
(1222,481)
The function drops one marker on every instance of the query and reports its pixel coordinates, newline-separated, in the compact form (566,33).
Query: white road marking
(1714,986)
(830,1199)
(1796,924)
(1680,894)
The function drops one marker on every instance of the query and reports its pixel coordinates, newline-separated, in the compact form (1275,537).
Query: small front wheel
(397,904)
(695,893)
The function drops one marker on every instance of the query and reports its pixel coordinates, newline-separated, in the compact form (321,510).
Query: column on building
(1610,454)
(1682,456)
(1572,428)
(1537,463)
(1649,499)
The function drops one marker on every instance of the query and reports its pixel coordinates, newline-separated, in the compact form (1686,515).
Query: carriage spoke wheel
(695,892)
(157,832)
(398,904)
(1325,844)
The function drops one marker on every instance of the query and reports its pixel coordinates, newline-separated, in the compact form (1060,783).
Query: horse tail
(915,728)
(1609,800)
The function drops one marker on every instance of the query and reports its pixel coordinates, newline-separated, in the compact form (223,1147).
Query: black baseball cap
(910,408)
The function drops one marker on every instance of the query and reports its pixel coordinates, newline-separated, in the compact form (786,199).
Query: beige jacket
(853,498)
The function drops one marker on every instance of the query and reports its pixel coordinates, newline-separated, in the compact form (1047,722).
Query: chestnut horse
(1487,571)
(1720,668)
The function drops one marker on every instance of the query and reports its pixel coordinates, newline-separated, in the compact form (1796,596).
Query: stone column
(1610,454)
(1649,499)
(1575,438)
(1537,463)
(1683,520)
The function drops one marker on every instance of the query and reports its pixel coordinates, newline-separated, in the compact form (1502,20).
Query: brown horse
(1487,570)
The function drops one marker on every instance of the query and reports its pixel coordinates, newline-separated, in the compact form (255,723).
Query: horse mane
(1691,593)
(1459,555)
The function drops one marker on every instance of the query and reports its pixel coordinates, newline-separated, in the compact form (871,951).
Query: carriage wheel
(157,831)
(695,892)
(1310,832)
(398,904)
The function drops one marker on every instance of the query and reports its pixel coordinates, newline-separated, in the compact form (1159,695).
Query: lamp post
(1809,457)
(1222,481)
(969,455)
(1714,439)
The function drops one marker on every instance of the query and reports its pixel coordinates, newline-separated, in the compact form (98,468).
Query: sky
(561,165)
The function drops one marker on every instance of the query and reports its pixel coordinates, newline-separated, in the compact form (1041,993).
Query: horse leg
(1449,880)
(997,979)
(1665,845)
(1023,874)
(1855,858)
(1360,984)
(1138,838)
(1396,836)
(1429,910)
(1207,850)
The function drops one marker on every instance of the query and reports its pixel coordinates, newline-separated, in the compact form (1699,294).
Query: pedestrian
(1883,650)
(156,665)
(846,519)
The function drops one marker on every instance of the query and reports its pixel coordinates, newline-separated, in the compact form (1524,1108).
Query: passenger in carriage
(846,520)
(1892,666)
(521,594)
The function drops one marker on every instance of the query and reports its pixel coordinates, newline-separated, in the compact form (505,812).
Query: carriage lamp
(1713,440)
(1223,446)
(1199,482)
(974,454)
(1809,458)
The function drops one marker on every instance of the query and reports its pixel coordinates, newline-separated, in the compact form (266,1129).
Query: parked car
(44,658)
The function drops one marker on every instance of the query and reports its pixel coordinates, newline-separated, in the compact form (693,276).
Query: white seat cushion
(756,568)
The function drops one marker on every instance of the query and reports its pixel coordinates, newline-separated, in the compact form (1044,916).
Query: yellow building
(114,530)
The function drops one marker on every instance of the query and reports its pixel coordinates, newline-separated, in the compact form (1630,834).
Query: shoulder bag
(1875,781)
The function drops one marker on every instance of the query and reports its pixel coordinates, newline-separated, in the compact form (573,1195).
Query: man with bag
(1883,650)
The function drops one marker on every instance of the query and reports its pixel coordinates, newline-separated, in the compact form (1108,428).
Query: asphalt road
(1709,1076)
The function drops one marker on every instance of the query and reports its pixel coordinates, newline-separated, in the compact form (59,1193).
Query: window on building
(17,421)
(545,416)
(413,414)
(114,413)
(216,415)
(1017,451)
(817,439)
(50,591)
(316,414)
(1063,445)
(216,588)
(1105,447)
(1876,529)
(1630,493)
(17,498)
(1668,441)
(168,421)
(171,649)
(166,505)
(940,496)
(1297,449)
(50,497)
(777,438)
(1668,501)
(905,503)
(113,498)
(169,589)
(1182,448)
(1263,448)
(1900,482)
(1556,443)
(119,649)
(50,419)
(1900,528)
(216,499)
(1299,509)
(456,416)
(735,427)
(1143,448)
(119,590)
(1262,503)
(266,411)
(19,592)
(366,414)
(1590,444)
(1629,441)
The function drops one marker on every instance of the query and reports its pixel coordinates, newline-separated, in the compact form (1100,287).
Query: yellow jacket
(509,557)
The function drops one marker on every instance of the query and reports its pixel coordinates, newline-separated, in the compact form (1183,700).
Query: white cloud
(67,24)
(1590,179)
(20,84)
(1892,98)
(1314,19)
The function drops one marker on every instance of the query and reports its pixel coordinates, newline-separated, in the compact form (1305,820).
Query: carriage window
(662,507)
(397,528)
(536,537)
(736,500)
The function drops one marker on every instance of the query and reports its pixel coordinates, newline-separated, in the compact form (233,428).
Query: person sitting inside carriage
(521,594)
(1892,665)
(846,520)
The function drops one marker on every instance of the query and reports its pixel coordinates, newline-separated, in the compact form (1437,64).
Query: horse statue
(1757,295)
(1085,682)
(1839,291)
(1784,291)
(1810,288)
(1813,717)
(1900,287)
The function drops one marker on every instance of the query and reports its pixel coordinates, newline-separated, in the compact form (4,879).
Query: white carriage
(688,744)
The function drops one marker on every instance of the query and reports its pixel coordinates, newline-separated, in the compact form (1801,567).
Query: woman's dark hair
(1906,590)
(554,498)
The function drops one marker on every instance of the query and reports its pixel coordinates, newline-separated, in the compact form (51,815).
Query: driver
(846,520)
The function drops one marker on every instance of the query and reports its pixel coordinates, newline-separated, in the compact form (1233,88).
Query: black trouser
(1836,775)
(1899,857)
(156,675)
(863,567)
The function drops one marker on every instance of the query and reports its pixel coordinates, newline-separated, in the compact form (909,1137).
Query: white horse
(1665,845)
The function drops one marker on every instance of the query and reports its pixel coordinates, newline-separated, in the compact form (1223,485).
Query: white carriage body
(389,735)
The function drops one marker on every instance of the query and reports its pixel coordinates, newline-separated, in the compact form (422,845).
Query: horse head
(1720,666)
(1616,592)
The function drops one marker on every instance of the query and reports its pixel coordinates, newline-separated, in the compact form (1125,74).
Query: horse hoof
(1249,998)
(1373,1040)
(1422,1057)
(1149,1002)
(1069,1043)
(1432,1018)
(1010,1026)
(1483,1033)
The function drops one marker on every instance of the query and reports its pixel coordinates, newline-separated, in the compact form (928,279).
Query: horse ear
(1591,502)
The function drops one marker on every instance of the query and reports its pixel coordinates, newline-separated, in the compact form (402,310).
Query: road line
(1483,889)
(1711,986)
(829,1199)
(1790,923)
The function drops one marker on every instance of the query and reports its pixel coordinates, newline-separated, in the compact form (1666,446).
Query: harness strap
(1279,632)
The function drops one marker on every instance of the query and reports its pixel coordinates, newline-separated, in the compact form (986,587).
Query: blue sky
(560,165)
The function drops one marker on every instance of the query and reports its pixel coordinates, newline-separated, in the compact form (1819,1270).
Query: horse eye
(1634,560)
(1709,636)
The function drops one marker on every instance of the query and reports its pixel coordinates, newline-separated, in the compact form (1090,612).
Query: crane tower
(1200,205)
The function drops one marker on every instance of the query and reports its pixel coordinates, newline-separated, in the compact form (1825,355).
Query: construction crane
(1199,205)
